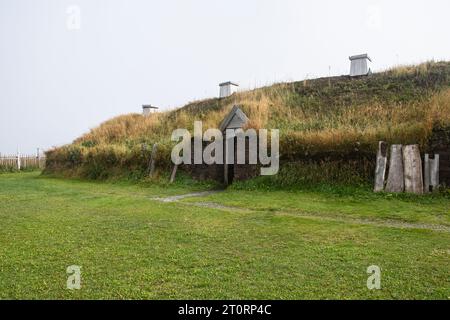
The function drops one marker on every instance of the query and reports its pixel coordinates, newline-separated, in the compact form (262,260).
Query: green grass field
(238,245)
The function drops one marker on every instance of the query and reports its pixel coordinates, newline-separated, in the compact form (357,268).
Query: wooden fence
(20,162)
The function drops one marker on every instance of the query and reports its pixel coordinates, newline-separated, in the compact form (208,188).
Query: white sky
(57,81)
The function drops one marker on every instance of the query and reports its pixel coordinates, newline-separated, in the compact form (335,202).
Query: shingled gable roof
(234,120)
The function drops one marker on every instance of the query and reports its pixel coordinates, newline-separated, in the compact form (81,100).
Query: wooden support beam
(395,181)
(151,168)
(174,172)
(380,171)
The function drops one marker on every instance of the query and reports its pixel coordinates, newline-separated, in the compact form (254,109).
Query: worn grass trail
(130,246)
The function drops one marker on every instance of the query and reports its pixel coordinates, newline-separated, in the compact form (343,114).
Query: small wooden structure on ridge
(147,109)
(359,65)
(227,89)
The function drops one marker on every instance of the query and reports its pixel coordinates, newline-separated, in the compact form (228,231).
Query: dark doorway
(230,173)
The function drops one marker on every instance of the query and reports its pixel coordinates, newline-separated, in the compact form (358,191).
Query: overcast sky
(66,66)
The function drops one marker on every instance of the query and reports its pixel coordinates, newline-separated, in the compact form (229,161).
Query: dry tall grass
(328,116)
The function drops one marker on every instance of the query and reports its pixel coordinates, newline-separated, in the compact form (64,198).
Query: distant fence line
(19,162)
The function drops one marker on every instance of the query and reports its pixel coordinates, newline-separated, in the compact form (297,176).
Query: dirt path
(188,195)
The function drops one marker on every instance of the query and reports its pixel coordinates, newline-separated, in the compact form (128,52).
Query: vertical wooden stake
(395,181)
(18,160)
(412,166)
(38,158)
(380,171)
(431,173)
(426,174)
(153,160)
(174,172)
(434,172)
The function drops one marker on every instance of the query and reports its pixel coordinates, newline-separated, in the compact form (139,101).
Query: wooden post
(18,160)
(434,172)
(38,158)
(426,174)
(153,160)
(431,173)
(395,181)
(380,171)
(174,172)
(412,166)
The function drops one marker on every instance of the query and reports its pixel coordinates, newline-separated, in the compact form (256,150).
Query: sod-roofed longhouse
(330,127)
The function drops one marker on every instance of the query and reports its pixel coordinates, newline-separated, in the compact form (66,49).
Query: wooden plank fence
(20,162)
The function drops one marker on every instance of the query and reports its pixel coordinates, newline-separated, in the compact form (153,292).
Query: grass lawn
(130,246)
(352,203)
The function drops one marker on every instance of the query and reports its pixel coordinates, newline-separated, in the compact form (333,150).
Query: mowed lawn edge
(432,209)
